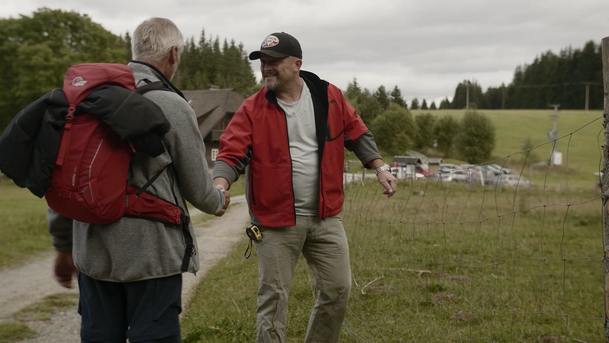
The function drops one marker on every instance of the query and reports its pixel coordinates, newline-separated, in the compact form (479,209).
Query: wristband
(384,168)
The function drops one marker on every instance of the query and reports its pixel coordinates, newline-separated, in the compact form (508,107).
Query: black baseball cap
(278,44)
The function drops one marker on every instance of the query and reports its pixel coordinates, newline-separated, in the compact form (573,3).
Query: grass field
(581,151)
(455,263)
(23,226)
(440,263)
(436,263)
(23,229)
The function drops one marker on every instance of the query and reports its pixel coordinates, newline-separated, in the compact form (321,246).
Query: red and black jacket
(257,135)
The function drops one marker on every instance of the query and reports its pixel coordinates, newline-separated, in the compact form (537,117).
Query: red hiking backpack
(90,177)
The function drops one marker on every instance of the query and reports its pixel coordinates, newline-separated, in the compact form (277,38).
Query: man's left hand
(388,181)
(64,269)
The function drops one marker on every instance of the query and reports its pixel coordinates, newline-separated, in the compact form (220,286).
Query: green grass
(581,151)
(45,308)
(440,263)
(23,227)
(436,263)
(237,188)
(14,331)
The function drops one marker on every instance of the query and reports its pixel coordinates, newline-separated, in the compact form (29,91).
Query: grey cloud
(424,47)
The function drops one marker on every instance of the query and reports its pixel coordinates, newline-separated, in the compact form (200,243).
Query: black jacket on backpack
(29,145)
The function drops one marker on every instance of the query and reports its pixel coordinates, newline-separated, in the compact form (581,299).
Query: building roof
(211,105)
(403,159)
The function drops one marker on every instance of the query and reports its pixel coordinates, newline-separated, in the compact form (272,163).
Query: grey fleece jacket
(134,249)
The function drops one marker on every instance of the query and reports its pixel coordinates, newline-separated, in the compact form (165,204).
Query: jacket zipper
(287,135)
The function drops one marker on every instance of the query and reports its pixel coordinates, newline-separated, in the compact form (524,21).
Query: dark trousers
(141,311)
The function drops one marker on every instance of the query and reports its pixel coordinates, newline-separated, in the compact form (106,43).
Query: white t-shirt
(303,150)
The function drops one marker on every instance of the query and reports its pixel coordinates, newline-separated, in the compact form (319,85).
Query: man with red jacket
(292,134)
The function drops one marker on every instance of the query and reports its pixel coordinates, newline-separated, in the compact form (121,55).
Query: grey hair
(153,39)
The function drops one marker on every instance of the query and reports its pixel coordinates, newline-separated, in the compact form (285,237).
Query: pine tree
(353,91)
(396,97)
(414,104)
(127,40)
(445,104)
(424,105)
(381,97)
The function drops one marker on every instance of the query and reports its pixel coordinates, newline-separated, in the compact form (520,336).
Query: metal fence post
(605,182)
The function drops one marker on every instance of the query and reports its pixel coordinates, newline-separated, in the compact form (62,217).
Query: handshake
(221,184)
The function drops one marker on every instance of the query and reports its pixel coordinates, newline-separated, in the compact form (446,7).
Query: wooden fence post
(605,182)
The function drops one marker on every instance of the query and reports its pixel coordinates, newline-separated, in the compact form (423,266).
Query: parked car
(447,168)
(456,175)
(511,180)
(406,173)
(500,169)
(460,175)
(491,174)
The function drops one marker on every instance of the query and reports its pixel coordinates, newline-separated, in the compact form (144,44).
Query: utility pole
(553,133)
(605,183)
(503,91)
(555,158)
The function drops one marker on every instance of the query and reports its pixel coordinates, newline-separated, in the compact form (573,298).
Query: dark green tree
(476,139)
(210,64)
(396,97)
(425,123)
(414,104)
(445,130)
(394,130)
(368,106)
(354,91)
(433,106)
(127,40)
(550,78)
(381,97)
(424,105)
(445,104)
(495,97)
(476,99)
(36,50)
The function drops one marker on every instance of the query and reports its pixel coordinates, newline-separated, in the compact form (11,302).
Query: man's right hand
(221,184)
(64,268)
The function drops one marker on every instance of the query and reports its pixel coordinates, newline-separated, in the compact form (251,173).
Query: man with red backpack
(130,271)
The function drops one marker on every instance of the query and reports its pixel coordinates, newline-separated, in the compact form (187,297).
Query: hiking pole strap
(142,189)
(190,247)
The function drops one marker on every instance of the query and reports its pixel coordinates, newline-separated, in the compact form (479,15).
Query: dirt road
(28,284)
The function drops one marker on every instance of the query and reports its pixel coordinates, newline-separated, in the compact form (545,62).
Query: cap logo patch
(269,42)
(78,81)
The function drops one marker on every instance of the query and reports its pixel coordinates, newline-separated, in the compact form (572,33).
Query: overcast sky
(424,47)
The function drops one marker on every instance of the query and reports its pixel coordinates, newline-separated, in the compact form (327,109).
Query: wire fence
(458,261)
(506,262)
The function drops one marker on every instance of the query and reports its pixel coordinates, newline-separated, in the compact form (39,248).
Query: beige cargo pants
(324,246)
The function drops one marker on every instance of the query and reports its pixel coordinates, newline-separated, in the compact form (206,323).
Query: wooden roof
(211,105)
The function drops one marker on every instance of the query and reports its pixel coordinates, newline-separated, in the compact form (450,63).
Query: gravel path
(26,285)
